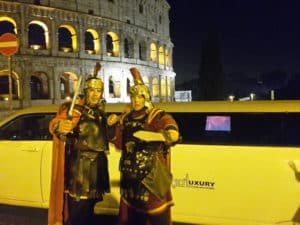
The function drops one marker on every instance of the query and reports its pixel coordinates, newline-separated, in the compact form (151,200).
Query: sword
(76,93)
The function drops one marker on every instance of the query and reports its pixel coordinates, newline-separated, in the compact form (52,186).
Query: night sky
(255,35)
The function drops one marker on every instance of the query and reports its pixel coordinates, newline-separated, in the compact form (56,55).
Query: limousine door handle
(295,165)
(33,149)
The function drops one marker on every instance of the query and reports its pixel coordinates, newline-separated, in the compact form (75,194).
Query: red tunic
(57,212)
(156,121)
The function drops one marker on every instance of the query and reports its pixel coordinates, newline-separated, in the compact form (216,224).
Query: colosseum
(61,40)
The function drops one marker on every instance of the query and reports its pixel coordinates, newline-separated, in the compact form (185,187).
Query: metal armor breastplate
(137,157)
(90,132)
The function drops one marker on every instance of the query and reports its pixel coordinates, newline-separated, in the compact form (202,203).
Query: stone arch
(161,55)
(39,86)
(128,47)
(168,61)
(92,41)
(4,85)
(155,87)
(111,87)
(38,35)
(7,25)
(153,52)
(112,44)
(68,81)
(115,88)
(142,50)
(67,38)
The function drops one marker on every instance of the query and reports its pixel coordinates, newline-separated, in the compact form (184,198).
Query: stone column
(25,82)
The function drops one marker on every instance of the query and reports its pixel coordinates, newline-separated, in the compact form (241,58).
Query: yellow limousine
(238,162)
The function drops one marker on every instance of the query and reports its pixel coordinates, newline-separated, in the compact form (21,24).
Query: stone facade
(60,40)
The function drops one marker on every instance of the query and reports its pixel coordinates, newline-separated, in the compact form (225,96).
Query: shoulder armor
(153,113)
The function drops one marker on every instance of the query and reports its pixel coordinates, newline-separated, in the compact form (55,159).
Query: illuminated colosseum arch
(112,44)
(67,38)
(155,87)
(115,85)
(92,42)
(5,22)
(38,35)
(39,86)
(68,81)
(161,55)
(153,53)
(167,57)
(4,85)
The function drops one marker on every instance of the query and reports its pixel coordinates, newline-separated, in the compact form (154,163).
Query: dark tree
(211,76)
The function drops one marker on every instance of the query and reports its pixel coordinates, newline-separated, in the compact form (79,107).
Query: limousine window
(217,123)
(261,129)
(27,127)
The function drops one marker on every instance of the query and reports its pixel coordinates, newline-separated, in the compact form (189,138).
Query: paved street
(26,216)
(10,215)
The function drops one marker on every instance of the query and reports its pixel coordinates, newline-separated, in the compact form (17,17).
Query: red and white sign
(8,44)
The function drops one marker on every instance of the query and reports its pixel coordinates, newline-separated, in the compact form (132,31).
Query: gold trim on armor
(76,196)
(77,111)
(94,83)
(152,114)
(151,211)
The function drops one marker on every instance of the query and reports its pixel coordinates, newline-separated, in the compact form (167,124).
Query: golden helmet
(139,88)
(93,81)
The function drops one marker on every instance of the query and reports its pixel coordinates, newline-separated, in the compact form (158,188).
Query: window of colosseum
(7,25)
(153,53)
(128,48)
(89,43)
(112,44)
(37,2)
(67,39)
(142,50)
(39,86)
(67,84)
(38,36)
(117,90)
(167,57)
(155,87)
(92,42)
(141,8)
(111,87)
(4,85)
(36,88)
(161,55)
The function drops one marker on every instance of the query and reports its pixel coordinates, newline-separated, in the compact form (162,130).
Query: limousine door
(20,163)
(22,152)
(246,174)
(236,185)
